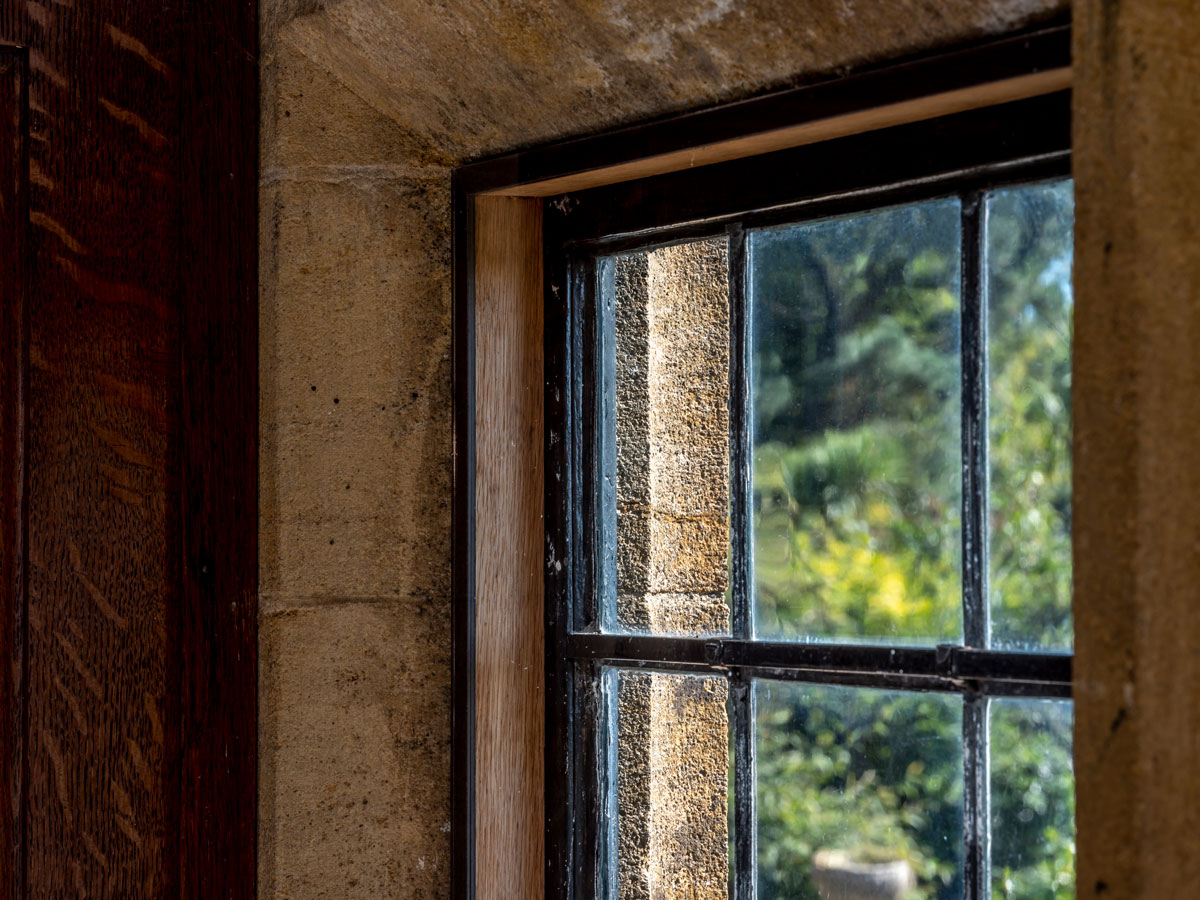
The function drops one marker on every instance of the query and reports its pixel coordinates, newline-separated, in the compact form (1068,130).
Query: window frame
(980,147)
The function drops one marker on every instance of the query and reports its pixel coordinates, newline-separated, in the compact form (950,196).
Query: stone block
(354,771)
(354,381)
(311,118)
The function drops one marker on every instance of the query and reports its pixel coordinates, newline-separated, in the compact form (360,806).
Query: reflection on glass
(667,798)
(1029,249)
(858,787)
(856,456)
(1033,800)
(664,485)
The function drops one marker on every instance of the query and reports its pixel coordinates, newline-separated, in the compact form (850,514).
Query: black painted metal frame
(965,155)
(962,155)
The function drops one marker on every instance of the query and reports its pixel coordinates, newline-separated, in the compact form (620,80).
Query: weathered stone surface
(633,785)
(1136,403)
(355,357)
(689,380)
(353,726)
(348,132)
(474,77)
(671,318)
(672,787)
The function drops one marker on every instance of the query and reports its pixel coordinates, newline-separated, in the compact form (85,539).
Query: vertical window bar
(562,399)
(603,851)
(974,426)
(976,822)
(741,694)
(741,586)
(580,775)
(601,284)
(976,814)
(744,884)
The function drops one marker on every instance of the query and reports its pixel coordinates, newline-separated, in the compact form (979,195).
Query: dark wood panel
(103,450)
(140,454)
(13,372)
(219,265)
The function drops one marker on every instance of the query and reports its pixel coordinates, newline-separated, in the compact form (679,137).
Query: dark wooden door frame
(218,148)
(14,325)
(201,60)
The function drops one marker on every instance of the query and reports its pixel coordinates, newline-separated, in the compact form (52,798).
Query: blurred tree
(857,527)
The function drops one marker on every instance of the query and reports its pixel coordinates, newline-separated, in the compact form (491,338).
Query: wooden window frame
(505,843)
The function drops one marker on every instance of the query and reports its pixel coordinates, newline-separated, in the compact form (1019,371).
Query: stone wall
(671,324)
(672,439)
(366,107)
(1136,377)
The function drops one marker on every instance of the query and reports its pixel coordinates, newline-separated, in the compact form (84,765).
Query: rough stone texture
(355,365)
(1137,427)
(671,349)
(352,719)
(473,77)
(672,434)
(630,314)
(633,785)
(366,106)
(672,787)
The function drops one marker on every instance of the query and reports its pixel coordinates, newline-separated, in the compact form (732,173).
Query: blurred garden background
(857,521)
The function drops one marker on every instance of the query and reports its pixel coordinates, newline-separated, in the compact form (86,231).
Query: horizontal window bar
(953,668)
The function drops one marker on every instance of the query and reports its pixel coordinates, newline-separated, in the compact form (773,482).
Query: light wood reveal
(509,625)
(916,110)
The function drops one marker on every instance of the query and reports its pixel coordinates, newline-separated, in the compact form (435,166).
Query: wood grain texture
(140,656)
(914,110)
(509,485)
(14,369)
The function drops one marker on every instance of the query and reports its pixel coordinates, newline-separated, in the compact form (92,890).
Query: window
(808,452)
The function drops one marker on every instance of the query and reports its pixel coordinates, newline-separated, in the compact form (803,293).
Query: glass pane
(1033,800)
(860,793)
(667,801)
(1029,249)
(857,478)
(664,485)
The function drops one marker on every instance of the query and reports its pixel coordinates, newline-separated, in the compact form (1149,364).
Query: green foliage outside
(857,533)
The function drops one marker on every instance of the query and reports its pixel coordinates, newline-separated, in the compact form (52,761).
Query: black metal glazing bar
(739,437)
(974,542)
(563,567)
(741,567)
(974,426)
(745,780)
(976,815)
(968,667)
(601,288)
(607,237)
(591,767)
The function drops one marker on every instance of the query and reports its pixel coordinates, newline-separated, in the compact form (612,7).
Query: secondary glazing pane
(860,793)
(1033,800)
(857,477)
(666,806)
(1029,250)
(664,485)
